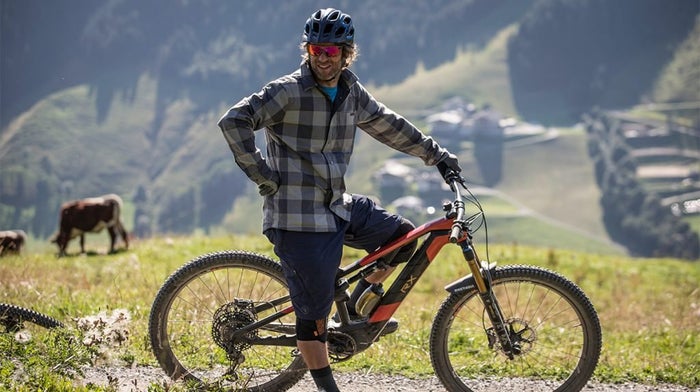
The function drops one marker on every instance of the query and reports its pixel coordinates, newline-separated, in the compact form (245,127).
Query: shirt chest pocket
(342,132)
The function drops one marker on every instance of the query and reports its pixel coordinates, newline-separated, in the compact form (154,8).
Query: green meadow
(649,309)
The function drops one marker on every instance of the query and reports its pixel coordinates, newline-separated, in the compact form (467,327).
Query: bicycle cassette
(228,319)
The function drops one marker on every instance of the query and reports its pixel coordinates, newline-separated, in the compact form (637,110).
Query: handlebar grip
(455,234)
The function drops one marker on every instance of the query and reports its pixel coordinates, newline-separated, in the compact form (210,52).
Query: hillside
(548,196)
(134,113)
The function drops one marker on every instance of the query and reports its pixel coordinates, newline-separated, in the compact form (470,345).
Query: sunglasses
(330,51)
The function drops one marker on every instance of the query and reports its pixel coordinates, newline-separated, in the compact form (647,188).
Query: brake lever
(451,177)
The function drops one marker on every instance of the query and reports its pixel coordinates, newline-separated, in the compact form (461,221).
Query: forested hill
(216,49)
(123,95)
(598,51)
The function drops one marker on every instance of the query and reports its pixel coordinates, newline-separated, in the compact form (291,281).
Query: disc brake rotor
(522,337)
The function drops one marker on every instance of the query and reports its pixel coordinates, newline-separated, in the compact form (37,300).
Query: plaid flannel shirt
(309,143)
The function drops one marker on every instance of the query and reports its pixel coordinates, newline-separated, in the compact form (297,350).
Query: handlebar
(454,180)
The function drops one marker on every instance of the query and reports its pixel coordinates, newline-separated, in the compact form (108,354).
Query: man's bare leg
(315,354)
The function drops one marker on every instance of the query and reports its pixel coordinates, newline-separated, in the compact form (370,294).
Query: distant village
(655,145)
(412,191)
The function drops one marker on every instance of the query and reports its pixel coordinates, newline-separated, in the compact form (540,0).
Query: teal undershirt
(330,91)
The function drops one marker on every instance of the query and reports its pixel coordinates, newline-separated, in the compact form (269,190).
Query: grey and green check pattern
(309,144)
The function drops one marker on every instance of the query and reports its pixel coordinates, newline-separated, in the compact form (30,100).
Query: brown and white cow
(90,215)
(12,241)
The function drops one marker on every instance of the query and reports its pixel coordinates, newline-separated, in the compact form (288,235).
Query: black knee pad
(308,330)
(404,253)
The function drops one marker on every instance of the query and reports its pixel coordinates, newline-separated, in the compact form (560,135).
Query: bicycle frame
(439,233)
(564,335)
(452,228)
(438,236)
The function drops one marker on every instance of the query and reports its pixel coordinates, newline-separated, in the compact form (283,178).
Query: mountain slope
(135,112)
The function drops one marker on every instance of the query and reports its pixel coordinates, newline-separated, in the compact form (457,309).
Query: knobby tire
(195,310)
(561,335)
(12,317)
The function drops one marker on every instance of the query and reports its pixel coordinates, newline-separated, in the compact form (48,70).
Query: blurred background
(577,121)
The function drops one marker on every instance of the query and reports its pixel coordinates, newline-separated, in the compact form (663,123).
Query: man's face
(326,63)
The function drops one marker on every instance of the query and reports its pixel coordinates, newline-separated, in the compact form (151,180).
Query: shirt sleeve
(394,130)
(239,124)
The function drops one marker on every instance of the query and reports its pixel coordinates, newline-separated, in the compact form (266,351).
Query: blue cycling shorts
(310,260)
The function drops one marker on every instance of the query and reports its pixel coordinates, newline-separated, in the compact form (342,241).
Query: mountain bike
(12,317)
(225,319)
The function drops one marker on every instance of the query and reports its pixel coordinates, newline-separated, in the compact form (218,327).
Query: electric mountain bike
(225,320)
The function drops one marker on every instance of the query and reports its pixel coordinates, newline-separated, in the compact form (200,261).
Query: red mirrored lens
(330,51)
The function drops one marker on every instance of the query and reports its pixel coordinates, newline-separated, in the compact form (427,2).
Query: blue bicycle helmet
(329,25)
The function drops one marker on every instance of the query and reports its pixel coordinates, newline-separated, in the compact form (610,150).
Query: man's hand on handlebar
(449,166)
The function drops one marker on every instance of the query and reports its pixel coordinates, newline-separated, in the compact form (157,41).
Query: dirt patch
(135,379)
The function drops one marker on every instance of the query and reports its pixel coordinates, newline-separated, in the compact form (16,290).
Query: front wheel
(196,315)
(550,320)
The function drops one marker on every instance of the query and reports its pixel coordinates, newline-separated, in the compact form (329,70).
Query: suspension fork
(493,309)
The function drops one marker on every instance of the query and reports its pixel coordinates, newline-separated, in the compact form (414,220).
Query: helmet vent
(329,25)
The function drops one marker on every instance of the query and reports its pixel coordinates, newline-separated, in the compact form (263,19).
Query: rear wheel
(199,309)
(12,317)
(551,321)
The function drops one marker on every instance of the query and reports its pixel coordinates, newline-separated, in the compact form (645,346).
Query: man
(310,118)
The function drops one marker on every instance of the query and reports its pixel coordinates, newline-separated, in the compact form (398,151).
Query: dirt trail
(139,378)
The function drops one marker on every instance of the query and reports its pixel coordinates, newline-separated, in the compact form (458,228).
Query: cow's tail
(117,217)
(120,227)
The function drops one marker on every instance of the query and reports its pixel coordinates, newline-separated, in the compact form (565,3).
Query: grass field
(649,309)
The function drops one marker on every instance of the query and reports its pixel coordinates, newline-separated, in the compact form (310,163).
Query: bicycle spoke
(548,333)
(200,323)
